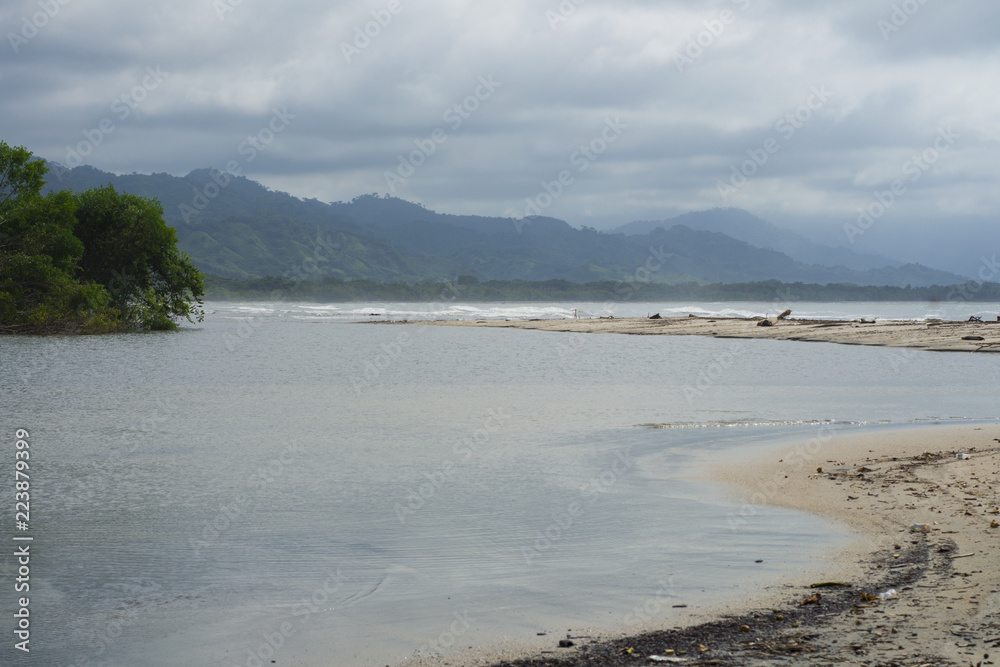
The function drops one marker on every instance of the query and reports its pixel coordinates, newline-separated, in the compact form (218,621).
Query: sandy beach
(927,335)
(939,583)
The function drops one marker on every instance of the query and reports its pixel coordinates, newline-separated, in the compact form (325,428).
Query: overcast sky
(642,107)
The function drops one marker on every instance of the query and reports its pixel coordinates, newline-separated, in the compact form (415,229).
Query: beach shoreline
(933,335)
(943,584)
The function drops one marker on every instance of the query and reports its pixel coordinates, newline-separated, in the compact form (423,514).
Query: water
(280,483)
(911,310)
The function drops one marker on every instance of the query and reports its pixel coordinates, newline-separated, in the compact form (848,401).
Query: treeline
(468,288)
(90,262)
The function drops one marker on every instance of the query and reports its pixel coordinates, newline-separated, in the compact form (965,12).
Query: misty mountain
(745,226)
(237,228)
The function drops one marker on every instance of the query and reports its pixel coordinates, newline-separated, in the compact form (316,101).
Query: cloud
(698,85)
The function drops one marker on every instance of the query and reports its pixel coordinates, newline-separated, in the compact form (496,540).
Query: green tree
(39,253)
(20,178)
(130,249)
(97,261)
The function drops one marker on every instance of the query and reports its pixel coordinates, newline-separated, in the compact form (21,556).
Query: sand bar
(926,335)
(882,484)
(944,608)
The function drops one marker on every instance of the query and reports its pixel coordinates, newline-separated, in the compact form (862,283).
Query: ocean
(284,482)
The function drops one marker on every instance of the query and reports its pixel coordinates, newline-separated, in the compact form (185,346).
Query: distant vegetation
(257,244)
(237,228)
(469,288)
(91,262)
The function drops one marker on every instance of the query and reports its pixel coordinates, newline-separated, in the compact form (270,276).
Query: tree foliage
(95,261)
(20,177)
(130,250)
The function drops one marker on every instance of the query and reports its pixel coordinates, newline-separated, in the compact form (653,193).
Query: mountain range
(237,228)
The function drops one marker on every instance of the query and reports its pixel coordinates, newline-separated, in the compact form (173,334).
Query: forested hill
(760,233)
(237,228)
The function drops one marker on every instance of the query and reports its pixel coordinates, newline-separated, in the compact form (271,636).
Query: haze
(599,113)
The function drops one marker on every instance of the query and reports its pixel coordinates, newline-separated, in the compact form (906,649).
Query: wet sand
(926,335)
(945,608)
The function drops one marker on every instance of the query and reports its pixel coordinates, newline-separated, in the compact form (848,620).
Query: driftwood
(785,314)
(656,317)
(765,323)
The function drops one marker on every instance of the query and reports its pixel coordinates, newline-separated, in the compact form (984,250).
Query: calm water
(280,483)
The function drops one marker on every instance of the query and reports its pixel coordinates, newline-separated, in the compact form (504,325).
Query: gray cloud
(696,87)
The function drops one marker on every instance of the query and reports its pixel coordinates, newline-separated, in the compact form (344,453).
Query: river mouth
(359,493)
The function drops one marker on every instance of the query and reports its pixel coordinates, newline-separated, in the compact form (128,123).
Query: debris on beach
(655,317)
(765,323)
(887,595)
(785,314)
(911,607)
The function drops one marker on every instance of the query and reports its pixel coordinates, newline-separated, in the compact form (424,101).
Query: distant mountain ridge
(237,228)
(762,234)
